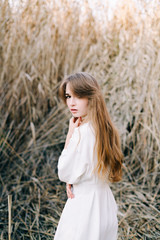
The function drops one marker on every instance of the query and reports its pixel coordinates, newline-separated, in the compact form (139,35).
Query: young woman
(91,159)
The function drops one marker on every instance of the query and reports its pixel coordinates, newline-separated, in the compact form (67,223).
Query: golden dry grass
(39,44)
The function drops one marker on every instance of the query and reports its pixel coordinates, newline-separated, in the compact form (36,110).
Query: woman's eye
(67,96)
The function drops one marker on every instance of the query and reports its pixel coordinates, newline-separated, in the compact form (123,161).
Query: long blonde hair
(107,143)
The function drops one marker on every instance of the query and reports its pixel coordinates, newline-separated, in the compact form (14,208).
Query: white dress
(92,213)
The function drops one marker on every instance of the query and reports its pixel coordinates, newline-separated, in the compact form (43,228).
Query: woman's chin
(75,115)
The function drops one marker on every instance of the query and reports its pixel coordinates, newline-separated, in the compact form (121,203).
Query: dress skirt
(90,215)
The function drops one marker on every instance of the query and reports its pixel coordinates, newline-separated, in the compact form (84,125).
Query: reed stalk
(9,216)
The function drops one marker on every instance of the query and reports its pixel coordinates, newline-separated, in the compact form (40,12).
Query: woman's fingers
(77,122)
(69,191)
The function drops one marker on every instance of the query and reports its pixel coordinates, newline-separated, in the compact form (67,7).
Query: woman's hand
(69,191)
(73,123)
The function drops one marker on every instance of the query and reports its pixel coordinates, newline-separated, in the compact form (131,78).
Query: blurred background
(118,42)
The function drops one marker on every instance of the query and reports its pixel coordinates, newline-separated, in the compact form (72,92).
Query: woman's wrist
(69,135)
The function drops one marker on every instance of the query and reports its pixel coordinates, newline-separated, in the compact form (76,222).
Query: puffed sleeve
(72,162)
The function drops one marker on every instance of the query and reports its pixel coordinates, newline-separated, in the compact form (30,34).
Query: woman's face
(77,106)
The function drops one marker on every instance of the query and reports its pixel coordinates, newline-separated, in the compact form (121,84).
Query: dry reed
(9,216)
(40,42)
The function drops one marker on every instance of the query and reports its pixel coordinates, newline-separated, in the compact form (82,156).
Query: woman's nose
(73,102)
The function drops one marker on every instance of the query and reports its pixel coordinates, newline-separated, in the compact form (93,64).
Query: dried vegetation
(40,42)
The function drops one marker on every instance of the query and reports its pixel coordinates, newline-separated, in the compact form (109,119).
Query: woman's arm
(74,159)
(72,125)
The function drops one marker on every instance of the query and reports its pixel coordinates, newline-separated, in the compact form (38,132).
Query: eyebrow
(67,94)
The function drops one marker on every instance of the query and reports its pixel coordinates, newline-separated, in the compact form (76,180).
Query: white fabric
(92,213)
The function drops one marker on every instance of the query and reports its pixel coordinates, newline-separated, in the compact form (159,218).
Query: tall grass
(40,43)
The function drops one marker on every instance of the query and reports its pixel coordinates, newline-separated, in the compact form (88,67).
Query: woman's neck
(84,119)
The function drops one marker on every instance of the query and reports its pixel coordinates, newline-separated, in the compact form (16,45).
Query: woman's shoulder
(86,129)
(86,137)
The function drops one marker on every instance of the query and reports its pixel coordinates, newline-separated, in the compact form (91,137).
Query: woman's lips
(74,110)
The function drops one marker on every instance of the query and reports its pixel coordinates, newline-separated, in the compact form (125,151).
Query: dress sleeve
(72,163)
